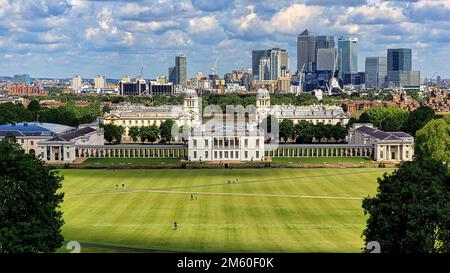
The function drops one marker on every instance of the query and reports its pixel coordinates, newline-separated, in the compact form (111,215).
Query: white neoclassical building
(215,140)
(326,114)
(387,146)
(138,115)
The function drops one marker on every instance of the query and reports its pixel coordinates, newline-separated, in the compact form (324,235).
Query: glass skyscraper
(181,70)
(348,50)
(399,59)
(376,71)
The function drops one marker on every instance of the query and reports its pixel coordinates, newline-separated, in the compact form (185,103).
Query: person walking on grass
(117,187)
(175,226)
(192,197)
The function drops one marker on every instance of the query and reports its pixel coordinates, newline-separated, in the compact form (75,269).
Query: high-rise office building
(23,78)
(76,83)
(399,68)
(172,74)
(327,59)
(279,60)
(399,59)
(133,88)
(99,82)
(348,55)
(306,51)
(264,69)
(376,72)
(181,70)
(325,42)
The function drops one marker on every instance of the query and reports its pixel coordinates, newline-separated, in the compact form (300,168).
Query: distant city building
(99,82)
(325,42)
(399,68)
(326,59)
(76,83)
(279,60)
(264,69)
(376,72)
(25,89)
(159,88)
(23,78)
(133,88)
(306,51)
(172,74)
(348,55)
(181,70)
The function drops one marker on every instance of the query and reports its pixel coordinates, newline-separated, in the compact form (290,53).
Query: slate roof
(72,134)
(382,135)
(32,129)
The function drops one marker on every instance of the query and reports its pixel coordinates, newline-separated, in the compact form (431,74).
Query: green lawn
(269,210)
(330,160)
(122,161)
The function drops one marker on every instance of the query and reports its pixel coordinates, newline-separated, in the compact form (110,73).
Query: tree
(320,131)
(433,140)
(149,133)
(30,198)
(34,106)
(377,114)
(166,130)
(286,129)
(418,118)
(391,124)
(113,133)
(133,132)
(304,132)
(338,132)
(411,211)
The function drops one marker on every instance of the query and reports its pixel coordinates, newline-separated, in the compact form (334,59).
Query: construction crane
(300,84)
(333,82)
(214,66)
(432,77)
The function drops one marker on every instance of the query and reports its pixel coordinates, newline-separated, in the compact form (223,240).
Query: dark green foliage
(304,132)
(286,130)
(149,133)
(30,215)
(113,133)
(133,132)
(418,118)
(166,130)
(411,211)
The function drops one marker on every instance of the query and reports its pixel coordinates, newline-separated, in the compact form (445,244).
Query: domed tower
(190,104)
(262,103)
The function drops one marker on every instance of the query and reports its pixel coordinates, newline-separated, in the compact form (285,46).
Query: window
(220,154)
(215,154)
(215,141)
(226,154)
(237,154)
(246,143)
(257,143)
(220,142)
(195,154)
(206,143)
(246,154)
(231,154)
(22,141)
(257,154)
(32,142)
(195,142)
(381,154)
(231,142)
(206,154)
(68,155)
(407,154)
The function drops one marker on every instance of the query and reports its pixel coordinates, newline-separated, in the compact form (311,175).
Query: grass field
(122,161)
(269,210)
(329,160)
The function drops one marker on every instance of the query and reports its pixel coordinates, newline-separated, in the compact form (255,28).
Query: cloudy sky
(60,38)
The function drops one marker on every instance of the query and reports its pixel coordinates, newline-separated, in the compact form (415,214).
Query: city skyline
(115,38)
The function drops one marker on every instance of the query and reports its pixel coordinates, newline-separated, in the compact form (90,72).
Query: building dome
(190,93)
(262,93)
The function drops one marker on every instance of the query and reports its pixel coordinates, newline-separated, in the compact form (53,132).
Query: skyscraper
(172,74)
(306,51)
(327,59)
(325,42)
(181,70)
(76,83)
(279,60)
(399,68)
(99,82)
(348,53)
(264,68)
(376,71)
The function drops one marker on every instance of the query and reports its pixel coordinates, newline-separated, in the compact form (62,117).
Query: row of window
(226,142)
(226,155)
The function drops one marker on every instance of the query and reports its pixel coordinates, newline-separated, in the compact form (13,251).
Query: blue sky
(60,38)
